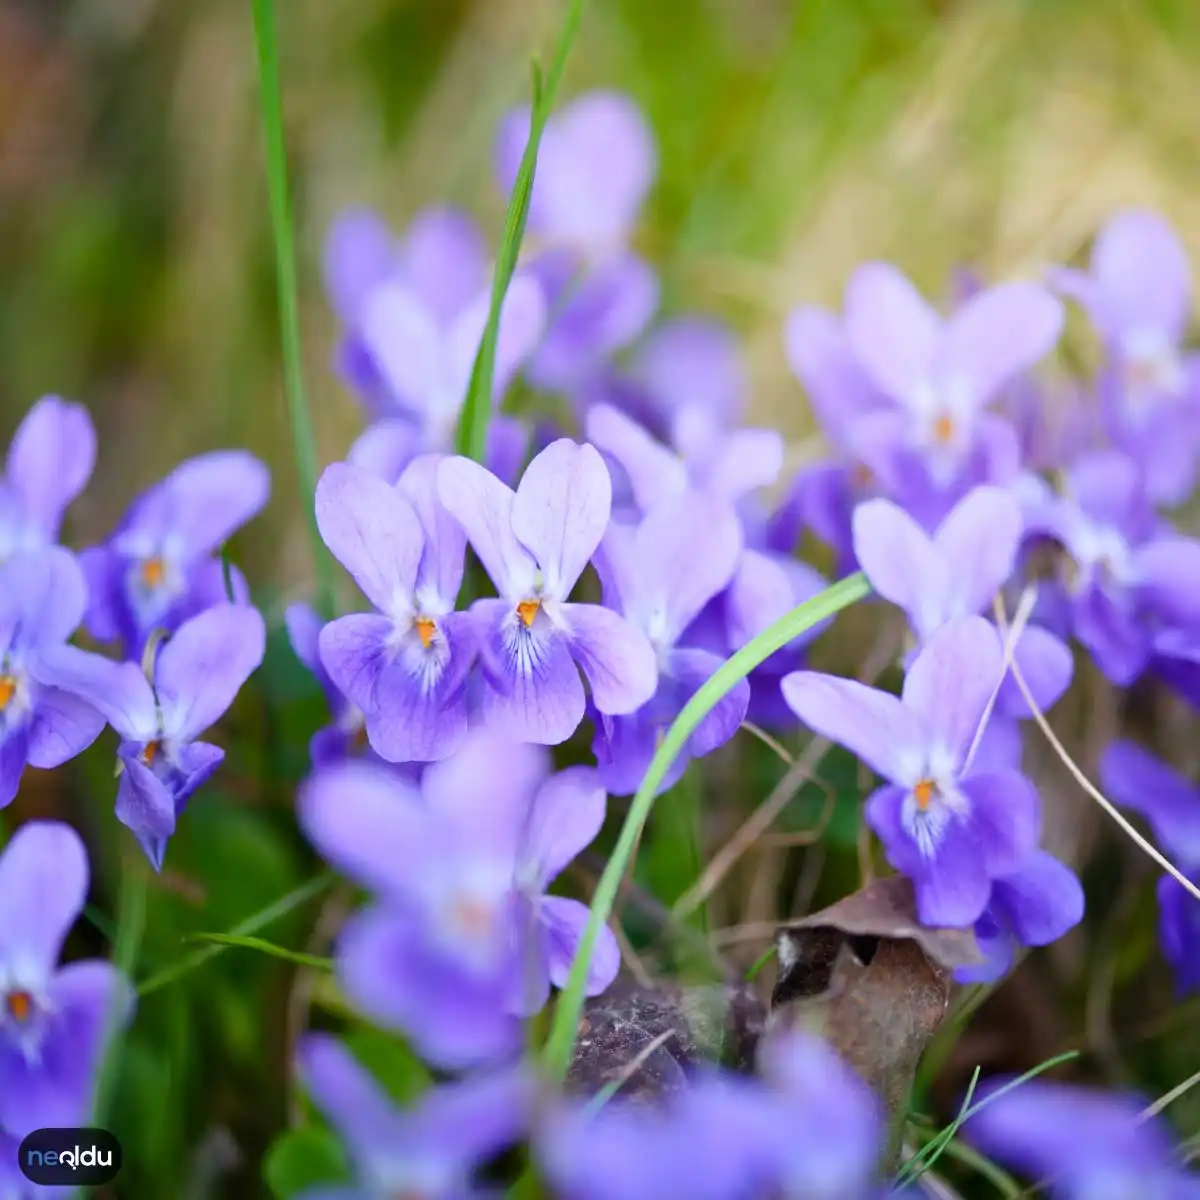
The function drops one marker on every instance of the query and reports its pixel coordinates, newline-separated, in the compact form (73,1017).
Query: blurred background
(796,140)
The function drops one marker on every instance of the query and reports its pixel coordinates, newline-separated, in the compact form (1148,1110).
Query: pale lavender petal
(820,357)
(413,720)
(63,726)
(999,747)
(1108,487)
(43,886)
(565,921)
(883,810)
(444,259)
(1005,819)
(654,471)
(14,755)
(211,496)
(1046,665)
(1168,573)
(1118,641)
(902,563)
(673,582)
(879,441)
(346,1093)
(748,459)
(876,726)
(949,685)
(104,572)
(615,655)
(1142,269)
(978,541)
(892,329)
(445,543)
(146,807)
(50,460)
(368,822)
(561,511)
(483,506)
(507,446)
(565,818)
(355,652)
(1041,897)
(359,256)
(50,593)
(953,889)
(690,361)
(386,447)
(204,664)
(996,335)
(372,531)
(119,691)
(303,625)
(693,668)
(405,343)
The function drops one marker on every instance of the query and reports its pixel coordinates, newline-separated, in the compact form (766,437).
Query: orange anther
(8,689)
(19,1005)
(943,429)
(153,572)
(527,610)
(426,629)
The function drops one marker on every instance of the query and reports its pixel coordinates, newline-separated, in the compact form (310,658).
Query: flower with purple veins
(463,940)
(53,1021)
(535,544)
(50,460)
(596,162)
(42,598)
(160,565)
(950,830)
(654,577)
(941,375)
(429,1151)
(404,666)
(159,713)
(1085,1144)
(1034,904)
(1137,780)
(1138,294)
(956,573)
(1126,574)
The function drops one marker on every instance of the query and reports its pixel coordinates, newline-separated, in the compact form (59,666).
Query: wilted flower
(463,940)
(535,543)
(161,712)
(1034,904)
(405,666)
(956,573)
(49,463)
(596,162)
(950,832)
(1136,779)
(42,598)
(1085,1144)
(654,576)
(53,1021)
(941,375)
(159,567)
(1138,294)
(430,1150)
(1126,574)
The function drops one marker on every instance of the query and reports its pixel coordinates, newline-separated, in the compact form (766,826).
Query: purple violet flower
(1138,294)
(1126,573)
(160,566)
(193,679)
(405,666)
(1034,904)
(463,940)
(956,573)
(654,577)
(52,1021)
(1137,780)
(1086,1144)
(941,375)
(951,832)
(50,460)
(430,1150)
(534,544)
(42,598)
(596,163)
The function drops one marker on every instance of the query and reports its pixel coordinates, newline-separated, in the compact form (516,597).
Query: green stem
(304,444)
(561,1043)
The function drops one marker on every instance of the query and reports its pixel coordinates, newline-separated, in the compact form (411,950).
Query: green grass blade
(251,925)
(561,1042)
(471,438)
(263,947)
(304,442)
